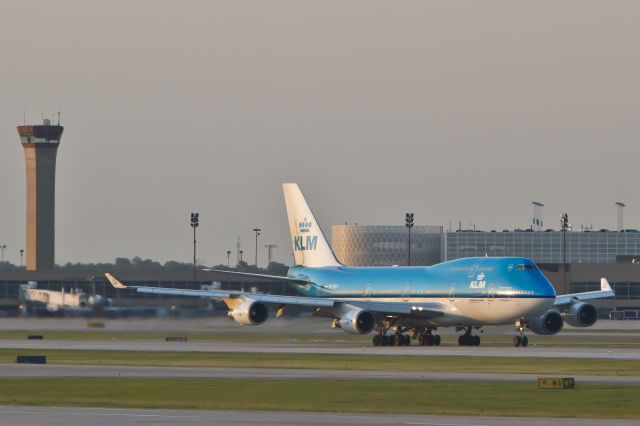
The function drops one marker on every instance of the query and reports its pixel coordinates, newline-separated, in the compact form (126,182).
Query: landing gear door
(406,292)
(491,292)
(474,268)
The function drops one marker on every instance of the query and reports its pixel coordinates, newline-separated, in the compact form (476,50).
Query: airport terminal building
(544,247)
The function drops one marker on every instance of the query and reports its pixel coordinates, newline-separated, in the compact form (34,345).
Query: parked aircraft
(74,301)
(401,303)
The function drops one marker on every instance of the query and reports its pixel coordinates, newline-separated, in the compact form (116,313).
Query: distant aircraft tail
(310,247)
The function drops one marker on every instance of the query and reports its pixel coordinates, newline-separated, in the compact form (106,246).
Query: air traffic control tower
(40,143)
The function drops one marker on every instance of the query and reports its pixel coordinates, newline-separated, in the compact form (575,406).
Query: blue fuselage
(482,277)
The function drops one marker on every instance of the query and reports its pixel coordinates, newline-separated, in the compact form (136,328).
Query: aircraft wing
(248,277)
(422,310)
(222,294)
(387,308)
(604,292)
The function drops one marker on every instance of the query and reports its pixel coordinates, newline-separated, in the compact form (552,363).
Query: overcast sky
(453,110)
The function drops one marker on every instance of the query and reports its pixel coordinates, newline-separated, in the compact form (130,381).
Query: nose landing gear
(521,339)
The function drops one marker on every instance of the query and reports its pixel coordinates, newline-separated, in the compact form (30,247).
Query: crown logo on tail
(305,225)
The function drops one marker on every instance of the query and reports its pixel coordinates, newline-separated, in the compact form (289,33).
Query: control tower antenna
(537,223)
(238,251)
(620,206)
(40,144)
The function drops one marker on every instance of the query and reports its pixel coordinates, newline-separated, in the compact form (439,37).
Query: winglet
(604,285)
(114,281)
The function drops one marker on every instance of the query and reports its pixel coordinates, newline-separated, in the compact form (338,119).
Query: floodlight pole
(564,226)
(195,222)
(409,224)
(257,231)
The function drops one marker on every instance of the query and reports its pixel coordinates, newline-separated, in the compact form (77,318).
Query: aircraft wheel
(407,340)
(476,340)
(385,341)
(421,340)
(377,340)
(516,341)
(525,341)
(394,340)
(437,339)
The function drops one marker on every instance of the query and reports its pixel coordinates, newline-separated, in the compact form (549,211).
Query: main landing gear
(427,338)
(403,336)
(520,340)
(468,339)
(397,339)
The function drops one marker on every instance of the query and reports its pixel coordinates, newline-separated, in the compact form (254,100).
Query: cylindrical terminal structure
(40,143)
(362,245)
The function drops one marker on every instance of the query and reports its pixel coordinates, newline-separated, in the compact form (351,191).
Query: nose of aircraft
(547,289)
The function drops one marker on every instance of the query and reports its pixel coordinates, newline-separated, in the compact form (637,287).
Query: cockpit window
(528,267)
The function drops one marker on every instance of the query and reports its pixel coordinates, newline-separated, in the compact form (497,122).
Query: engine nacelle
(581,315)
(357,322)
(547,324)
(249,312)
(95,300)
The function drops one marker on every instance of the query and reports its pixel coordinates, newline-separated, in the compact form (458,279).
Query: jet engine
(581,315)
(357,321)
(547,324)
(249,312)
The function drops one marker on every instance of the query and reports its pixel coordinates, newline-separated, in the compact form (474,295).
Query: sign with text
(556,383)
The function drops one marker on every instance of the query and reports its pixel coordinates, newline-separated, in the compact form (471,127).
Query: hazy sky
(452,110)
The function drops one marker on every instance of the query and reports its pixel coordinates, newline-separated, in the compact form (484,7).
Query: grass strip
(459,364)
(334,338)
(365,396)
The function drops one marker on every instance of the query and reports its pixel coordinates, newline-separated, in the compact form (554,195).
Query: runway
(60,416)
(105,371)
(327,349)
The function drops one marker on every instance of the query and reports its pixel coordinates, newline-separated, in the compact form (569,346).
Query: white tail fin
(310,247)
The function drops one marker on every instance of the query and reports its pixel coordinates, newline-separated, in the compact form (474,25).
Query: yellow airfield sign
(556,383)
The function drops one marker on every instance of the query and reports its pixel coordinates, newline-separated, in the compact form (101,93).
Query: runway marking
(446,424)
(88,412)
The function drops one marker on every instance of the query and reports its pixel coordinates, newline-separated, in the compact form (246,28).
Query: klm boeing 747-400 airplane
(400,303)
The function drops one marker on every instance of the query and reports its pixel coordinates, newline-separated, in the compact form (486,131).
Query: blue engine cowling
(549,323)
(581,315)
